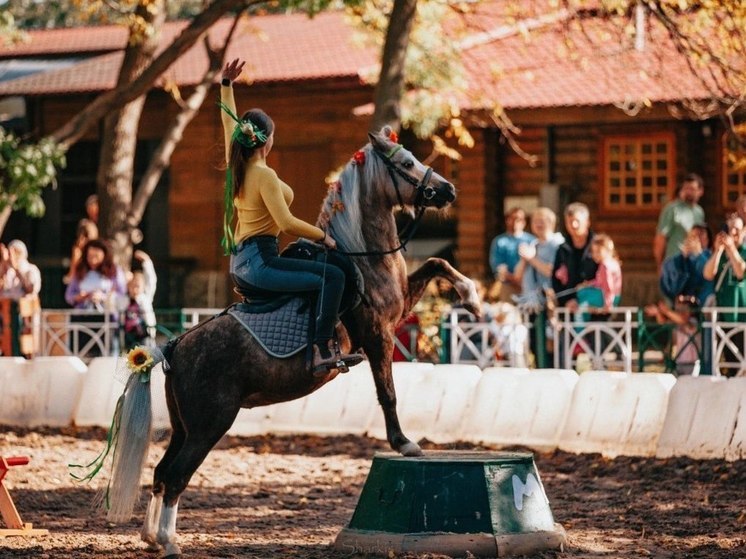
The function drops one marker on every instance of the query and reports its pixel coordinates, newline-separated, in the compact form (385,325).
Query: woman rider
(262,202)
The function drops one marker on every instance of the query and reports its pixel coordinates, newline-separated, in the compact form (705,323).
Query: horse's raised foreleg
(380,364)
(439,268)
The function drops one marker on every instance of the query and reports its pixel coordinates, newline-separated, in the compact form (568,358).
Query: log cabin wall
(576,169)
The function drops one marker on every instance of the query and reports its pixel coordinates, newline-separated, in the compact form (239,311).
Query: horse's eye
(408,164)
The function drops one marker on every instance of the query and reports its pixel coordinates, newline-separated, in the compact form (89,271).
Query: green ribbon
(228,242)
(111,444)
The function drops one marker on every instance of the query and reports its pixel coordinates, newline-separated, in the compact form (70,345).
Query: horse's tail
(132,427)
(133,439)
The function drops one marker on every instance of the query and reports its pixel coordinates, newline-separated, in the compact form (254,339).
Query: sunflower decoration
(140,360)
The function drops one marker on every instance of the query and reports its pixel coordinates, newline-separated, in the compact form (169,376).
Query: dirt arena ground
(287,497)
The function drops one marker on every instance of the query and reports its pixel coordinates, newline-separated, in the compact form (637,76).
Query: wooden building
(605,123)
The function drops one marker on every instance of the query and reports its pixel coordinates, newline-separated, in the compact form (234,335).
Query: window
(734,168)
(638,171)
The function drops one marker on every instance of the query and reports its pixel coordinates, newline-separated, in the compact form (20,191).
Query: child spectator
(139,317)
(605,289)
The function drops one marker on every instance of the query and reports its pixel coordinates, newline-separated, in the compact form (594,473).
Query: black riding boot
(327,357)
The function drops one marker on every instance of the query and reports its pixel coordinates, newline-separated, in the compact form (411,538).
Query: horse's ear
(378,141)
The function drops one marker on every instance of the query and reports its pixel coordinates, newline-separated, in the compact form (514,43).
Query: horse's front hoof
(410,449)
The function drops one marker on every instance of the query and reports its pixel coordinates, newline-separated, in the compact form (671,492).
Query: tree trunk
(119,141)
(390,85)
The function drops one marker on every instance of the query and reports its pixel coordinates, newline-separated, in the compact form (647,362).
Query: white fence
(602,343)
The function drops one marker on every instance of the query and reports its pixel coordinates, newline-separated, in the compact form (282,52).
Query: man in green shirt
(727,266)
(677,218)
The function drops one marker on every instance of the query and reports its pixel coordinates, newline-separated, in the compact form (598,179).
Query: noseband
(424,191)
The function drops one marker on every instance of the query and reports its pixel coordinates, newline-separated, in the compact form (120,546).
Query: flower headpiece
(246,132)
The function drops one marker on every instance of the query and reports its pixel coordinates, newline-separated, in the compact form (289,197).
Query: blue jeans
(257,262)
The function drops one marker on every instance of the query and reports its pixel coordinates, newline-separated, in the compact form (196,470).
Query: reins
(423,191)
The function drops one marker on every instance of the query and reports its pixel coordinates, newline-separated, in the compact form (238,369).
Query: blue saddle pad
(281,330)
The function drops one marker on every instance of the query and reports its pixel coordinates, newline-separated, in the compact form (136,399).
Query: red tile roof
(276,48)
(519,70)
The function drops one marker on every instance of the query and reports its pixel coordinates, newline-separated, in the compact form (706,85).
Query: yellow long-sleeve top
(263,203)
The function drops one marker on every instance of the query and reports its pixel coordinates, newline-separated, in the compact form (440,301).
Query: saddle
(282,323)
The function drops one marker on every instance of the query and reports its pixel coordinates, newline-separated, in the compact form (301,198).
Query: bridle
(423,190)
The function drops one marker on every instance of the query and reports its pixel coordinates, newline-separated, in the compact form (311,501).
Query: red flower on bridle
(394,137)
(358,157)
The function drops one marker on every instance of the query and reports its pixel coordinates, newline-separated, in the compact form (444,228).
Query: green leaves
(25,170)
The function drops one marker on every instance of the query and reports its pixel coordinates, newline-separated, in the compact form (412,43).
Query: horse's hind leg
(153,513)
(201,435)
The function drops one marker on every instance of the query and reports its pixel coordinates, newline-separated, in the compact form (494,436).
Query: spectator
(137,306)
(535,273)
(91,208)
(504,253)
(87,230)
(677,218)
(605,289)
(727,267)
(682,274)
(96,279)
(18,277)
(21,281)
(741,207)
(573,263)
(534,270)
(687,338)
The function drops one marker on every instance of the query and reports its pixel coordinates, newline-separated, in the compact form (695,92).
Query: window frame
(603,174)
(723,171)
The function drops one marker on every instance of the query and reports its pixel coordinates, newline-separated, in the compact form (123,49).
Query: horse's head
(414,183)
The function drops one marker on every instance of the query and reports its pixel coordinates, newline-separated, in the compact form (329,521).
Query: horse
(216,368)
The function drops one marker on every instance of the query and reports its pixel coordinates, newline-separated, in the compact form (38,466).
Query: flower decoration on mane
(394,137)
(140,360)
(335,187)
(358,157)
(337,206)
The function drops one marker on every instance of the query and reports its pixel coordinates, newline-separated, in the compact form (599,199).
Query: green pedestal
(488,503)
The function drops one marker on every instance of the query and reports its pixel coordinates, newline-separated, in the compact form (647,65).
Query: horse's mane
(343,206)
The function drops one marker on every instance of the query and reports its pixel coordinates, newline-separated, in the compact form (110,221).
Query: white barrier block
(41,391)
(701,418)
(285,417)
(438,403)
(737,448)
(343,405)
(617,413)
(64,378)
(12,375)
(252,421)
(521,407)
(405,374)
(161,419)
(99,393)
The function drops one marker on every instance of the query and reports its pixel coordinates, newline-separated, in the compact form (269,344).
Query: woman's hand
(233,69)
(328,241)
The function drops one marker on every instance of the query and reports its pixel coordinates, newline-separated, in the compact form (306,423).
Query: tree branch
(162,156)
(74,129)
